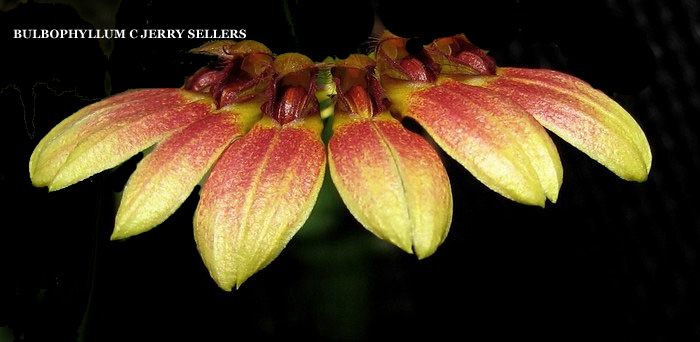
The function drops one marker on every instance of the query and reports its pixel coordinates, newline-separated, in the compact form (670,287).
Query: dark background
(612,260)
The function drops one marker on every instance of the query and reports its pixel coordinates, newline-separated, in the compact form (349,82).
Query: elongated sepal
(52,150)
(228,49)
(258,195)
(392,181)
(581,115)
(165,177)
(107,133)
(489,135)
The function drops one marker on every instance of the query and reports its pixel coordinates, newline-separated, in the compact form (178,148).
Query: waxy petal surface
(489,135)
(259,193)
(104,140)
(581,115)
(164,178)
(532,137)
(53,149)
(392,181)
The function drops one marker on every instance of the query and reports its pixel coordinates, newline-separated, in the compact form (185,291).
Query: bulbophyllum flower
(248,127)
(390,179)
(248,123)
(490,119)
(263,187)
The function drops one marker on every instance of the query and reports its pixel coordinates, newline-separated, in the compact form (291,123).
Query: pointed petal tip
(108,132)
(64,180)
(258,195)
(58,185)
(165,178)
(226,284)
(633,171)
(534,198)
(118,235)
(125,228)
(41,178)
(423,252)
(228,280)
(223,280)
(392,181)
(229,284)
(639,176)
(643,178)
(493,138)
(38,183)
(551,191)
(630,171)
(583,116)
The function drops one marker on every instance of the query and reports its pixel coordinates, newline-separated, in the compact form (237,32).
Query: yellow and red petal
(107,138)
(532,137)
(581,115)
(259,193)
(490,136)
(165,177)
(392,181)
(53,148)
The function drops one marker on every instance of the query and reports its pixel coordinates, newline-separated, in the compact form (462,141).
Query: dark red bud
(231,93)
(415,69)
(375,88)
(203,79)
(477,61)
(359,101)
(291,105)
(474,61)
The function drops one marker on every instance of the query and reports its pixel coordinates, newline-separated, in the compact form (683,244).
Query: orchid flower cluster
(248,127)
